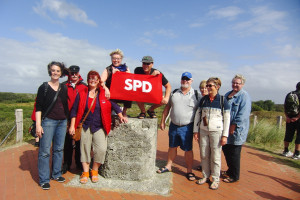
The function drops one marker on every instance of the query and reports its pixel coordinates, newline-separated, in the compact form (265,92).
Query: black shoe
(45,186)
(65,168)
(37,144)
(59,179)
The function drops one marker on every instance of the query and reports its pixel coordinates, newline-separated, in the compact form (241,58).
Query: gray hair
(241,77)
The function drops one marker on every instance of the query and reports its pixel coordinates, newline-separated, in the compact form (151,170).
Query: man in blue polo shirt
(183,104)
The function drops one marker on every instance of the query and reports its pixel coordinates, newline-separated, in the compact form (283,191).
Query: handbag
(77,134)
(32,128)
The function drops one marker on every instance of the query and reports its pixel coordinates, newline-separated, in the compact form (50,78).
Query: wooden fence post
(279,121)
(19,125)
(254,120)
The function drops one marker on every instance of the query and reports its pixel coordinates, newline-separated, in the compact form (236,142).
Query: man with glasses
(74,84)
(183,104)
(148,69)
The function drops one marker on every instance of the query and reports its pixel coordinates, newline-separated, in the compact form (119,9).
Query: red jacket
(72,92)
(105,107)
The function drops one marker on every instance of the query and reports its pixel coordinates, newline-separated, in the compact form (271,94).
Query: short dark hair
(61,65)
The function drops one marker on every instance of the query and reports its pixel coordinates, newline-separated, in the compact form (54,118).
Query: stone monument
(131,150)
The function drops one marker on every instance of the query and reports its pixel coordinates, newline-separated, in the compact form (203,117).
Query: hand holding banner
(136,87)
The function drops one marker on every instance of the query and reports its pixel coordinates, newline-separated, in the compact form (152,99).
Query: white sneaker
(287,153)
(296,157)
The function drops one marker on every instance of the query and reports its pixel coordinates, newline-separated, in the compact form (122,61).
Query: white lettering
(128,83)
(134,84)
(145,84)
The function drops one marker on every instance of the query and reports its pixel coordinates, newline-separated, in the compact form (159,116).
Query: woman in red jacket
(96,127)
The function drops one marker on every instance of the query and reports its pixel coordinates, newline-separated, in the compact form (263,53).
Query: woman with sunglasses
(96,126)
(211,127)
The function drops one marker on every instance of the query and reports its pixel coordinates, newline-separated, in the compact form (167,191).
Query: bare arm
(164,116)
(72,126)
(38,125)
(165,99)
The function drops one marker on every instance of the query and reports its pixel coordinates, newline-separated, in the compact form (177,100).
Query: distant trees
(9,97)
(267,105)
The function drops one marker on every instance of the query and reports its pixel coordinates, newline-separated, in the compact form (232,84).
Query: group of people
(61,105)
(217,122)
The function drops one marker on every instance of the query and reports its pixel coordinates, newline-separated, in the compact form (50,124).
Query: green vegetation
(267,105)
(10,98)
(268,137)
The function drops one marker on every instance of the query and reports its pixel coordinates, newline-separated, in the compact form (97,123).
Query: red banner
(136,87)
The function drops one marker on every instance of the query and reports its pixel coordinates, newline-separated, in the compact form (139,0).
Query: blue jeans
(54,132)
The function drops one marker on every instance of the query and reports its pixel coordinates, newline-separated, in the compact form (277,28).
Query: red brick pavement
(262,177)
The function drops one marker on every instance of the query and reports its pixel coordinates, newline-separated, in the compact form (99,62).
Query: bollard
(279,121)
(254,120)
(19,125)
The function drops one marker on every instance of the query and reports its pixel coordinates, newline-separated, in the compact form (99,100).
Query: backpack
(291,104)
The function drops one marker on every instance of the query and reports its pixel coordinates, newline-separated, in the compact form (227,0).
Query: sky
(259,39)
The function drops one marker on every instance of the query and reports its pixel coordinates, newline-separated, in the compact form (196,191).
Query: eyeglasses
(93,79)
(210,85)
(235,83)
(146,63)
(185,78)
(116,58)
(73,73)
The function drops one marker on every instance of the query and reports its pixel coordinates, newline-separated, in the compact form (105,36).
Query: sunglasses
(185,78)
(73,73)
(146,63)
(210,85)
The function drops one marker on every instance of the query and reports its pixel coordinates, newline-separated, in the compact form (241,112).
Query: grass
(7,121)
(267,136)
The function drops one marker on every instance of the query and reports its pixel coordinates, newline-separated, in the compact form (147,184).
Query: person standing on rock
(183,104)
(148,69)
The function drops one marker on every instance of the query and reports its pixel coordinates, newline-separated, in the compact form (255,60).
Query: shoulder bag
(77,134)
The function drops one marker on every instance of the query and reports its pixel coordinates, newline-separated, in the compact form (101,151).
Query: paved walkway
(262,177)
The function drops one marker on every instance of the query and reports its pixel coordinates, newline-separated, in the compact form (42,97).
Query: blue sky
(259,39)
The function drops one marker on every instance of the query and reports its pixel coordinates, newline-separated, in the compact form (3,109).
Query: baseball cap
(186,74)
(147,59)
(74,68)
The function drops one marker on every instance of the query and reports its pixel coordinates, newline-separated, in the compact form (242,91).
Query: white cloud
(25,63)
(161,32)
(264,20)
(288,50)
(63,10)
(196,24)
(230,12)
(145,41)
